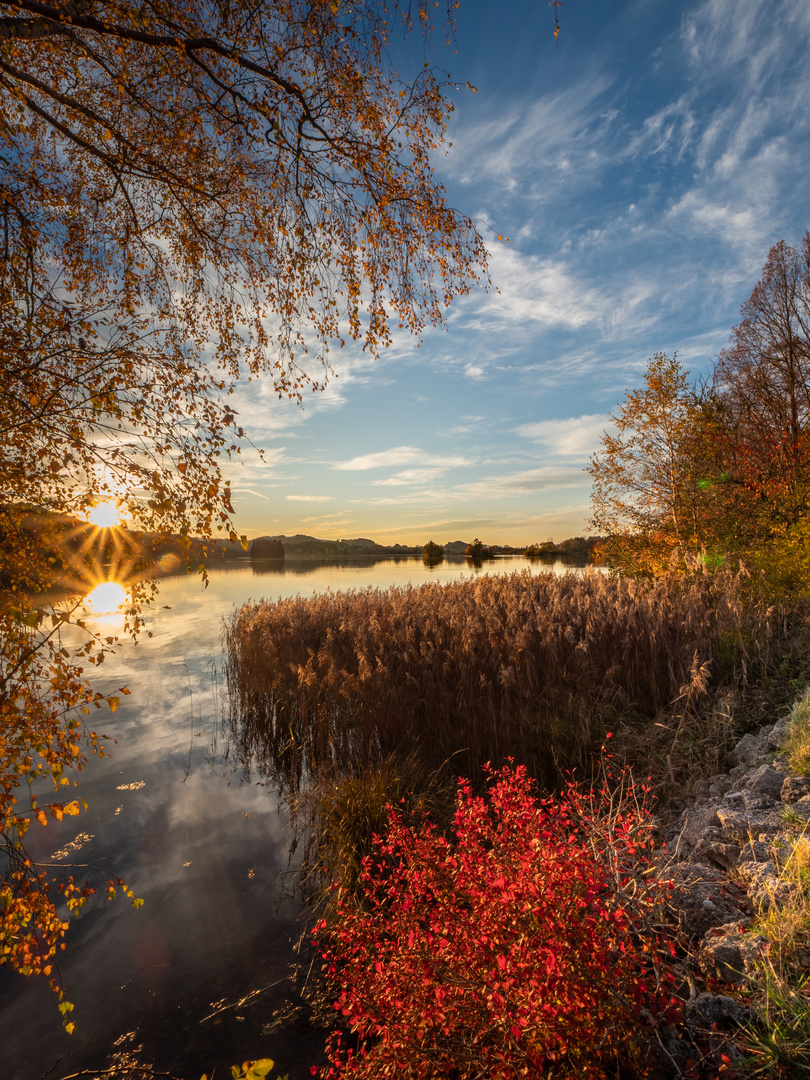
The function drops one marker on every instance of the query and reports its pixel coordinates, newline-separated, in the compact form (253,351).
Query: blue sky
(642,167)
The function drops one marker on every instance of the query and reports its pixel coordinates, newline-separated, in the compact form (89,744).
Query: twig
(242,1001)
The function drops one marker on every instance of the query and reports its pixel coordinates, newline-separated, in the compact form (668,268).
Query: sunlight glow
(106,598)
(105,514)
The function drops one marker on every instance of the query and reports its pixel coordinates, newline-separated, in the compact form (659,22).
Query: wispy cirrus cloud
(410,477)
(401,455)
(576,437)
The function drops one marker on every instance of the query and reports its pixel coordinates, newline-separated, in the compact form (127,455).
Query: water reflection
(183,814)
(106,598)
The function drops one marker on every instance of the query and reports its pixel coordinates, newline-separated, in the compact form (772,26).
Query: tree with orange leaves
(763,380)
(189,193)
(723,466)
(187,187)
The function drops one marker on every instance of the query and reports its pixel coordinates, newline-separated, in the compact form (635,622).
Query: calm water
(201,840)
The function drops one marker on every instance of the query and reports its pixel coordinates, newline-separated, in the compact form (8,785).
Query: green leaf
(259,1069)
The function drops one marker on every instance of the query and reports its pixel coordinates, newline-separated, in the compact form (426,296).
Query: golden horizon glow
(106,599)
(106,514)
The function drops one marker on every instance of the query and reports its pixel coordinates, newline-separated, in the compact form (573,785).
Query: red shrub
(513,949)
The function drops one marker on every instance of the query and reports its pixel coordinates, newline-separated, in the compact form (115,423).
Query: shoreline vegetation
(361,703)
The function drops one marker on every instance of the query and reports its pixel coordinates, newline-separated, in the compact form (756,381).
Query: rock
(779,733)
(755,802)
(763,884)
(677,1052)
(766,781)
(738,772)
(694,822)
(725,855)
(729,954)
(722,781)
(794,788)
(741,827)
(696,883)
(706,1010)
(750,750)
(700,789)
(734,800)
(755,851)
(724,961)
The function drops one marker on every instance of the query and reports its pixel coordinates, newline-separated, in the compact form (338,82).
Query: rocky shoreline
(726,852)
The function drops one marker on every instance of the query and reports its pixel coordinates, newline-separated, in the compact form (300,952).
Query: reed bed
(528,667)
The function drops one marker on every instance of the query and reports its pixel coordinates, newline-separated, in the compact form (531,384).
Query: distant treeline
(585,548)
(277,547)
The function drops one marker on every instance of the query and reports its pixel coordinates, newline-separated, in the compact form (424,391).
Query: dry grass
(531,667)
(341,815)
(797,746)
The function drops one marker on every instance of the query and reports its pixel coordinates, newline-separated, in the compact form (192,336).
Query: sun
(106,515)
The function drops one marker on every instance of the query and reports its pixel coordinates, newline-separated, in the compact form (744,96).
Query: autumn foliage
(522,944)
(719,467)
(189,193)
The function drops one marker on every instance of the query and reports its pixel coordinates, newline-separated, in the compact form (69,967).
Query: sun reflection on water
(106,600)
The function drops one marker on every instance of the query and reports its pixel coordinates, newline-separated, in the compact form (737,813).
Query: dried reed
(522,666)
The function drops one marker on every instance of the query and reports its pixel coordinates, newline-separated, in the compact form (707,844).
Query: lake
(192,980)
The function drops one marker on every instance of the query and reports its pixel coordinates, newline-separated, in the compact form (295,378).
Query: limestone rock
(756,802)
(766,780)
(755,851)
(763,884)
(722,781)
(725,855)
(706,1010)
(794,788)
(695,821)
(699,882)
(750,750)
(729,954)
(741,827)
(734,800)
(779,733)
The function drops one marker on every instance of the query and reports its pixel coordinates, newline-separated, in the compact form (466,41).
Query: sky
(641,166)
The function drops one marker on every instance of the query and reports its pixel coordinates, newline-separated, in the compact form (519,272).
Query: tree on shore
(722,466)
(763,381)
(189,194)
(646,476)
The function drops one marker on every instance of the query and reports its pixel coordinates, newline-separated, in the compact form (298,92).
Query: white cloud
(309,498)
(510,141)
(397,455)
(527,482)
(410,477)
(534,293)
(576,437)
(402,455)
